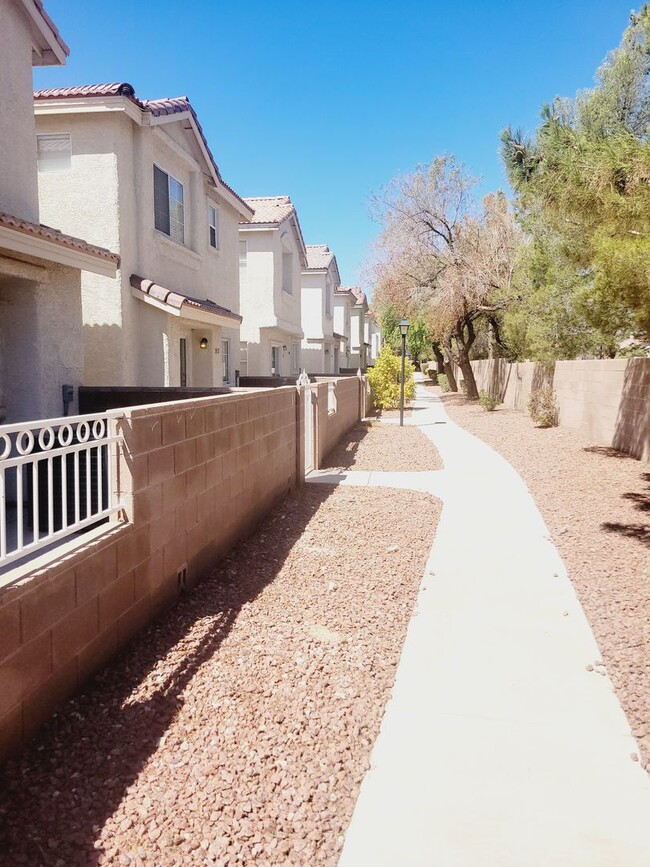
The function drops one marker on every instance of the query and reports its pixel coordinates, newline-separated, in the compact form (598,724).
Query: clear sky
(326,102)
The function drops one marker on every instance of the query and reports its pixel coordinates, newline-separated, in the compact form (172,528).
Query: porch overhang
(49,245)
(181,306)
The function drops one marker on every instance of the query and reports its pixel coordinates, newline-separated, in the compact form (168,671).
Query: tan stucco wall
(107,197)
(264,304)
(606,400)
(41,345)
(18,177)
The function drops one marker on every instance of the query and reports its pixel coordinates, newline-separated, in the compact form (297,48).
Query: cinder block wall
(348,398)
(606,400)
(195,478)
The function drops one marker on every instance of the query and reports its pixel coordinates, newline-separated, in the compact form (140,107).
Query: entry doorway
(276,354)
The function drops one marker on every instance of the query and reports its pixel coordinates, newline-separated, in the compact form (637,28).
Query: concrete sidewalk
(498,748)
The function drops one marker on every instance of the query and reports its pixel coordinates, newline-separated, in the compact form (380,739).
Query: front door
(275,360)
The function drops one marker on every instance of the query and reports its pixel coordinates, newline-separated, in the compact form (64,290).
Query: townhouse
(41,268)
(359,336)
(344,300)
(319,282)
(138,177)
(272,255)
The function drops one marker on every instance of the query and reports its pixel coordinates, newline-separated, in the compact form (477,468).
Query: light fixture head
(404,327)
(204,343)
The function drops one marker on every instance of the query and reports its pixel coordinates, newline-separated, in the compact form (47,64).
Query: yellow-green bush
(384,380)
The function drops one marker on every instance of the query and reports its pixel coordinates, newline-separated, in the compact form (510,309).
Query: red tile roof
(156,107)
(270,209)
(177,300)
(274,210)
(319,256)
(357,293)
(38,230)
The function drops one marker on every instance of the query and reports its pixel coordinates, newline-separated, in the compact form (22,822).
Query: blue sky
(326,102)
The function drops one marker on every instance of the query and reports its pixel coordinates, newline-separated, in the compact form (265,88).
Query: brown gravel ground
(596,503)
(238,728)
(383,447)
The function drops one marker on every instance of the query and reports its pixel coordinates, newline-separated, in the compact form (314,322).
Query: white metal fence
(56,478)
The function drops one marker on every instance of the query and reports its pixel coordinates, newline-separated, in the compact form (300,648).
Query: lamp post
(403,327)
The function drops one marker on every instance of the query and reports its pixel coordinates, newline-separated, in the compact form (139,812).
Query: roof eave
(51,50)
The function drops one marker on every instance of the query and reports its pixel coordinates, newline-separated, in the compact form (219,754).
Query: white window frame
(225,359)
(213,226)
(176,227)
(67,157)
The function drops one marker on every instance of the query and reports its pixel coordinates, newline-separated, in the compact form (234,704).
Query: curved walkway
(503,744)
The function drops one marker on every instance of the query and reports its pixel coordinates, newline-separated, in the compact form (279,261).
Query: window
(54,152)
(213,227)
(295,356)
(328,297)
(169,209)
(242,254)
(183,361)
(225,359)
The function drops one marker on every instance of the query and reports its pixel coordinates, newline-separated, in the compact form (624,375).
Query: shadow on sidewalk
(57,795)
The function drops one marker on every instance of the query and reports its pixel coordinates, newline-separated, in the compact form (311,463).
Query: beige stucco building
(359,338)
(374,338)
(271,258)
(344,301)
(319,282)
(138,177)
(41,345)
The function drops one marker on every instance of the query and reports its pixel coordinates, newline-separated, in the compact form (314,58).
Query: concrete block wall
(348,398)
(606,400)
(195,476)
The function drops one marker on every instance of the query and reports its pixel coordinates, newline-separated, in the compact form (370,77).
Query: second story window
(213,227)
(54,152)
(169,208)
(328,297)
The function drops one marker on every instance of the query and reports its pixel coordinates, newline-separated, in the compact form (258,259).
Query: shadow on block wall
(58,794)
(632,431)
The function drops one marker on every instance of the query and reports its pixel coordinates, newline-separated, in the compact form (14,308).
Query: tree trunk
(468,373)
(463,345)
(448,368)
(440,358)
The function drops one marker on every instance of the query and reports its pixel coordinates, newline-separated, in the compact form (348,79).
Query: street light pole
(403,327)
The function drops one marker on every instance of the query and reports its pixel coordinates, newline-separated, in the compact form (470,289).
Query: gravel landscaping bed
(596,503)
(238,728)
(383,447)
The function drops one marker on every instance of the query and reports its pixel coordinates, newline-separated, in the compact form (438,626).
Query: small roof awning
(337,336)
(183,306)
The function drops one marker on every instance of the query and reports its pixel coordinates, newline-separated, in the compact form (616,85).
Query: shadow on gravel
(609,452)
(343,454)
(641,502)
(56,796)
(640,532)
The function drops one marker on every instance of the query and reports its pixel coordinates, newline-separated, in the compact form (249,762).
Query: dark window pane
(161,200)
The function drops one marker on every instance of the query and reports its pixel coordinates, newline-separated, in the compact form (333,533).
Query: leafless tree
(445,255)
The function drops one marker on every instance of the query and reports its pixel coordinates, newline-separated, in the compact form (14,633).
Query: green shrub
(488,401)
(463,386)
(543,407)
(443,382)
(384,380)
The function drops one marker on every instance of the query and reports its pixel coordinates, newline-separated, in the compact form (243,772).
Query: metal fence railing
(56,479)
